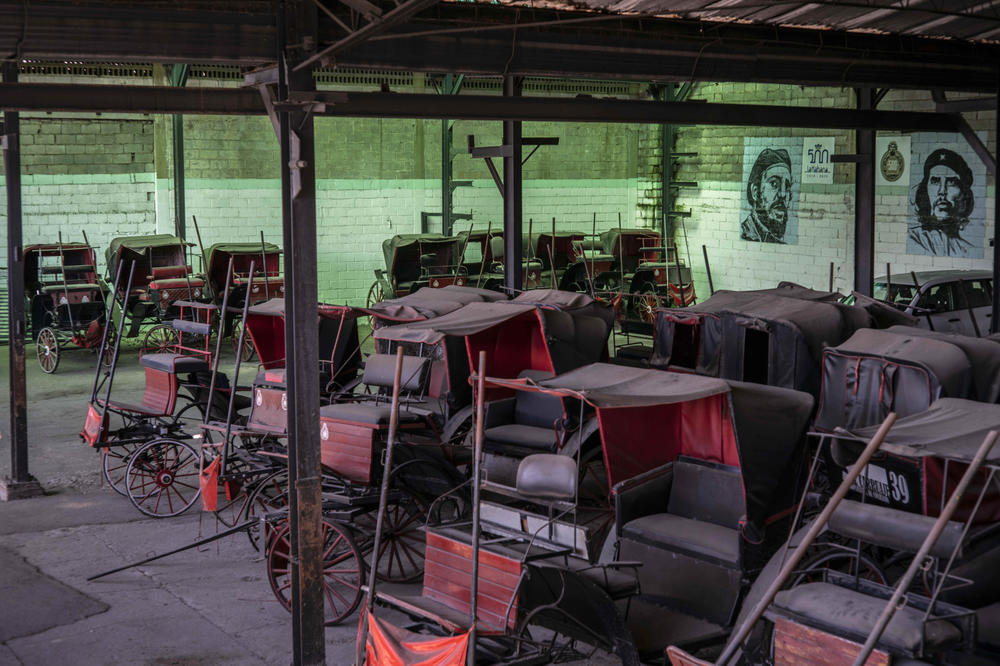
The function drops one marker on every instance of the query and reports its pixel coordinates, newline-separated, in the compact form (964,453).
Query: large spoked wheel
(161,338)
(247,352)
(47,348)
(270,494)
(401,548)
(376,293)
(162,478)
(109,346)
(647,302)
(114,462)
(343,571)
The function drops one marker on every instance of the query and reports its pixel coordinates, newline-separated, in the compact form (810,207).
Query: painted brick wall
(825,213)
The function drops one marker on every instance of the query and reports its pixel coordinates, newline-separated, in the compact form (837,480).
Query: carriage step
(448,618)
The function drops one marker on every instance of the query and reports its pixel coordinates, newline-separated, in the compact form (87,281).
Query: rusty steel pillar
(864,199)
(298,198)
(20,484)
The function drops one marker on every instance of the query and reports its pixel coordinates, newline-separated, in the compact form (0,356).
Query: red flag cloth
(209,481)
(387,645)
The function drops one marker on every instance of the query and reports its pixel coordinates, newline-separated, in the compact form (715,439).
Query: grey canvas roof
(610,237)
(724,300)
(466,320)
(427,303)
(568,301)
(240,248)
(604,385)
(952,429)
(275,307)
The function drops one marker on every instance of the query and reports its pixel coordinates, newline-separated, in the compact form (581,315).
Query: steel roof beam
(238,101)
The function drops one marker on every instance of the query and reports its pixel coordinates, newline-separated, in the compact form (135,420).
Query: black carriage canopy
(427,303)
(610,237)
(769,425)
(137,246)
(706,315)
(903,369)
(225,249)
(574,328)
(412,243)
(338,335)
(951,429)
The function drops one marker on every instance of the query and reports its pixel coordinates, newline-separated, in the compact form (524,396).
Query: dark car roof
(945,275)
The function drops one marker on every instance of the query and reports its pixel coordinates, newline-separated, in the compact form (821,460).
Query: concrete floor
(211,605)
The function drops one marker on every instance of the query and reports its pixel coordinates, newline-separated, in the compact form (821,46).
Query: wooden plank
(798,645)
(465,550)
(460,566)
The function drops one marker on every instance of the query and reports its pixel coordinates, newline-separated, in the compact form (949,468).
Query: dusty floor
(212,605)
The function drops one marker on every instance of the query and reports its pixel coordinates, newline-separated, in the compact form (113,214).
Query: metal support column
(995,316)
(512,203)
(864,200)
(21,483)
(178,78)
(298,196)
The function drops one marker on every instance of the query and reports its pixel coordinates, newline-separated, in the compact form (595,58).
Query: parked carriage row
(596,475)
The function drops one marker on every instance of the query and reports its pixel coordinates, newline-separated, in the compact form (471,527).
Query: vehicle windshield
(897,294)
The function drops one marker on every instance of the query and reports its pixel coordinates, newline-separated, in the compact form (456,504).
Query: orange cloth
(209,482)
(387,645)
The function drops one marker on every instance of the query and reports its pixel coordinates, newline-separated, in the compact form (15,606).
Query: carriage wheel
(343,571)
(47,348)
(162,478)
(647,302)
(248,351)
(269,494)
(160,338)
(401,548)
(189,416)
(114,462)
(109,346)
(376,294)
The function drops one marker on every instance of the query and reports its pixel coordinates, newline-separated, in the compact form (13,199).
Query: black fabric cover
(380,370)
(983,355)
(711,493)
(875,372)
(391,246)
(428,303)
(852,615)
(952,428)
(515,439)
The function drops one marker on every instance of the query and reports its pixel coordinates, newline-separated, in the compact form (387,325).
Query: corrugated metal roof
(969,20)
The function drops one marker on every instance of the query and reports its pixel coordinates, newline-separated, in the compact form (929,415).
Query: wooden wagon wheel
(401,548)
(162,478)
(114,464)
(376,293)
(248,351)
(161,338)
(47,349)
(647,302)
(343,570)
(268,495)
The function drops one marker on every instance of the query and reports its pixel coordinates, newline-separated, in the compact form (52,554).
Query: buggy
(65,299)
(162,276)
(413,261)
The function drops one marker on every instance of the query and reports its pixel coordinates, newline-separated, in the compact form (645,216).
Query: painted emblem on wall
(893,163)
(770,192)
(817,162)
(892,160)
(947,198)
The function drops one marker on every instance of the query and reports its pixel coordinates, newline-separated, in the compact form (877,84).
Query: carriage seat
(893,528)
(71,286)
(852,614)
(161,272)
(380,372)
(174,363)
(192,327)
(497,252)
(547,476)
(704,509)
(527,423)
(988,626)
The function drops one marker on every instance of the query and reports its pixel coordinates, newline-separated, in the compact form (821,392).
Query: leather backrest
(547,475)
(380,370)
(537,409)
(892,528)
(707,491)
(496,247)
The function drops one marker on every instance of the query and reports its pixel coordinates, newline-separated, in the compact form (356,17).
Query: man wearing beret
(943,201)
(769,193)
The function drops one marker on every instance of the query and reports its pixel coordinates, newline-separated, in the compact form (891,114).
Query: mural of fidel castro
(769,193)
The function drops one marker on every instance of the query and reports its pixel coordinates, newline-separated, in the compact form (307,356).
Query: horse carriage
(665,440)
(632,262)
(483,258)
(143,446)
(65,299)
(413,261)
(162,276)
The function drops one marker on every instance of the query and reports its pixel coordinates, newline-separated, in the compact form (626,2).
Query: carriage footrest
(428,609)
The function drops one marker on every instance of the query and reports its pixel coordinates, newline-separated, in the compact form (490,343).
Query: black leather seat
(703,514)
(174,363)
(380,372)
(530,422)
(376,415)
(852,614)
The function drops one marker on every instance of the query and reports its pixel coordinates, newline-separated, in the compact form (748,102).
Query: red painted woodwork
(518,344)
(270,409)
(346,449)
(798,645)
(448,579)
